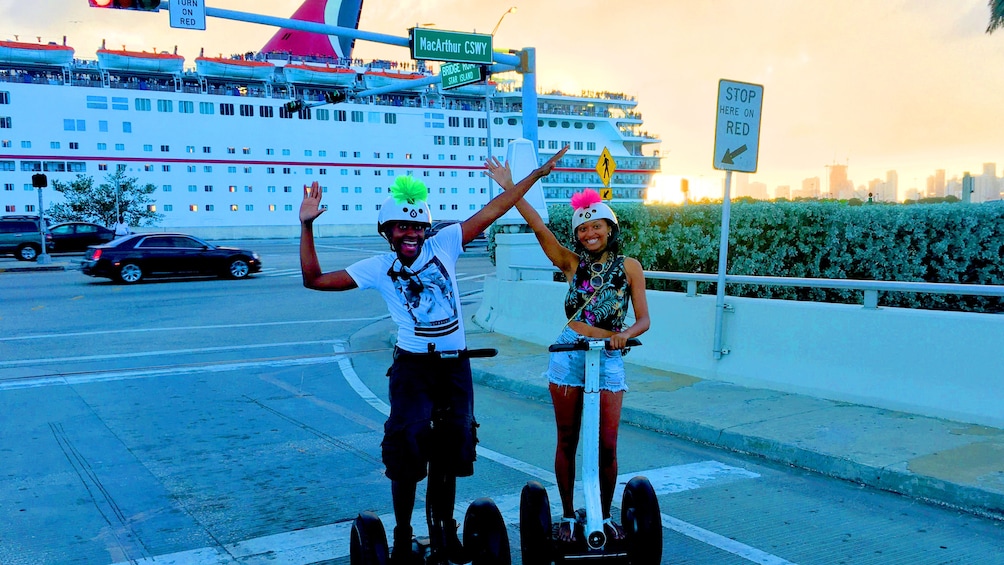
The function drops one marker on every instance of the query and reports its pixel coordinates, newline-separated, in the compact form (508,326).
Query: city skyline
(896,85)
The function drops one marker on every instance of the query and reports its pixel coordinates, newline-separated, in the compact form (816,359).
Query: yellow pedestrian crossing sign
(607,193)
(605,166)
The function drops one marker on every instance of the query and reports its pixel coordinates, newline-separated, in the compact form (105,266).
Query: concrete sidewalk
(946,462)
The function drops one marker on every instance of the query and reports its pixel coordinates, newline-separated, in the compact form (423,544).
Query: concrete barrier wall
(941,364)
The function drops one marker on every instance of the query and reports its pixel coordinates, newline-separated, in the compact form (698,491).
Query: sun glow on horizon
(668,189)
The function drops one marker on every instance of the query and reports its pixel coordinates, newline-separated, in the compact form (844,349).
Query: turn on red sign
(188,14)
(737,126)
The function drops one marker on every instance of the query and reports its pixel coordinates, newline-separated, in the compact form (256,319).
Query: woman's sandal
(613,529)
(570,523)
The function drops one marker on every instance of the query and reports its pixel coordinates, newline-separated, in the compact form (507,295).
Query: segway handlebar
(583,345)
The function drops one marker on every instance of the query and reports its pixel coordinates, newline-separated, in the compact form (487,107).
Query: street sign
(459,74)
(188,14)
(737,126)
(605,166)
(607,193)
(452,46)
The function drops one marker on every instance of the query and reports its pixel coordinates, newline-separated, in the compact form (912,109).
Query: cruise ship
(225,149)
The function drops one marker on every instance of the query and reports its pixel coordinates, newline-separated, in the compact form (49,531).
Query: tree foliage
(996,15)
(85,202)
(936,243)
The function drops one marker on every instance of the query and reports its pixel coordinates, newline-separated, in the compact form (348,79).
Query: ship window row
(47,166)
(4,97)
(248,110)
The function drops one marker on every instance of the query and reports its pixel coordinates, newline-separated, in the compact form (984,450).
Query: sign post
(737,148)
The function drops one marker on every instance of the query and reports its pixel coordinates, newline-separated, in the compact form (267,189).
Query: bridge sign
(459,74)
(452,46)
(737,126)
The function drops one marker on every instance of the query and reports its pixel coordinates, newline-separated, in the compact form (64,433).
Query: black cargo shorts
(431,417)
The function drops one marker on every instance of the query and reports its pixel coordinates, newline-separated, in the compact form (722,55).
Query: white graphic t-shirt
(423,299)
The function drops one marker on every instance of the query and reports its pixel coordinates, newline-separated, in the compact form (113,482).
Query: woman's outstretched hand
(500,173)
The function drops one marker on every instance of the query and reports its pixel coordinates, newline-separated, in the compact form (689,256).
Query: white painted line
(87,358)
(195,328)
(147,373)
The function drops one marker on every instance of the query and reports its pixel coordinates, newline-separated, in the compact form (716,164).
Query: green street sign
(459,74)
(452,46)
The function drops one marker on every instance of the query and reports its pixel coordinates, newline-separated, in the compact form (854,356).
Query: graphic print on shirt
(428,296)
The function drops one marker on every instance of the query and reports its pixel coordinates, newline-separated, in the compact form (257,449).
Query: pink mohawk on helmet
(586,198)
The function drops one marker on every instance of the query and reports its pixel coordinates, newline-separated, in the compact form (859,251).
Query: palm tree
(996,15)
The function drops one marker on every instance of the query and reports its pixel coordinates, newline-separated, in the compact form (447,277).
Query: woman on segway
(601,284)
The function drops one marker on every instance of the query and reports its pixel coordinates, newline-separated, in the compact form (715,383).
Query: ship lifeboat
(140,61)
(239,69)
(13,52)
(327,76)
(381,78)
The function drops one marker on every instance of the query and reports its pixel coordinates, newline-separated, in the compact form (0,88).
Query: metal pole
(488,118)
(529,66)
(43,258)
(723,256)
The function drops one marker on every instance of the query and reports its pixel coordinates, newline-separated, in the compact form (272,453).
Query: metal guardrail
(869,288)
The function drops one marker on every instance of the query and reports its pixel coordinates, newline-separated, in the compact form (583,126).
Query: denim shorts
(568,368)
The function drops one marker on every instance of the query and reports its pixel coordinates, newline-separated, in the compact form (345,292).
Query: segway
(640,515)
(485,540)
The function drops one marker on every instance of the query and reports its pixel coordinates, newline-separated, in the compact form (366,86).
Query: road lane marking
(195,328)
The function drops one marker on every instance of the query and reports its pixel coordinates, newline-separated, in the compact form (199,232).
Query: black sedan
(78,236)
(132,258)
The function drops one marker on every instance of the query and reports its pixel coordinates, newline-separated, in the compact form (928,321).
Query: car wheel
(28,252)
(238,268)
(130,273)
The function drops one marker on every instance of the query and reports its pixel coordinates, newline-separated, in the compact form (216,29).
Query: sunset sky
(910,85)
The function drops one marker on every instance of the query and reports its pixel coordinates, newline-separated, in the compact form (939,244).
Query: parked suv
(19,236)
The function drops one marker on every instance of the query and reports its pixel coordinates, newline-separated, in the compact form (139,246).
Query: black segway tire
(368,541)
(535,525)
(642,523)
(486,540)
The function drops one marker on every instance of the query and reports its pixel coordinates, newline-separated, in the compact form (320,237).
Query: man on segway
(431,428)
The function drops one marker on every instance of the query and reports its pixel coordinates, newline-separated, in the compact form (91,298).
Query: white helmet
(588,206)
(406,203)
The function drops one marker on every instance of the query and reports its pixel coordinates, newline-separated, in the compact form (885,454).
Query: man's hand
(547,167)
(310,208)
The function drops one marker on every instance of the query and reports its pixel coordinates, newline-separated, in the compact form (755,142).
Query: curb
(891,479)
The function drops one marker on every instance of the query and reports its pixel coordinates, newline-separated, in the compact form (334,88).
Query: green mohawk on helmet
(408,189)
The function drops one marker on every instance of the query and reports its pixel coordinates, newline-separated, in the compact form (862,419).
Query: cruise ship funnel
(342,13)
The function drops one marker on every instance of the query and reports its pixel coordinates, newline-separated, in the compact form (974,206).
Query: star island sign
(737,126)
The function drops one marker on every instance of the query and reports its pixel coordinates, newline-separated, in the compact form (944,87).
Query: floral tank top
(604,305)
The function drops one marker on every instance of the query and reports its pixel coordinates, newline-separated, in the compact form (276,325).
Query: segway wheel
(535,525)
(368,541)
(642,523)
(486,540)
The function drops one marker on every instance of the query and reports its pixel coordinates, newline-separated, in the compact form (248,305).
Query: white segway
(640,515)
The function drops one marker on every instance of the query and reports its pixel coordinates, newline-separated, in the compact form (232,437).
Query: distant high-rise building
(840,186)
(892,186)
(783,191)
(939,183)
(810,189)
(987,187)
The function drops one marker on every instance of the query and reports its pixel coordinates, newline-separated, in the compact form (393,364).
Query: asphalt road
(216,421)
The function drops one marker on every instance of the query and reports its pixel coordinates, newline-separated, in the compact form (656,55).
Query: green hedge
(943,243)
